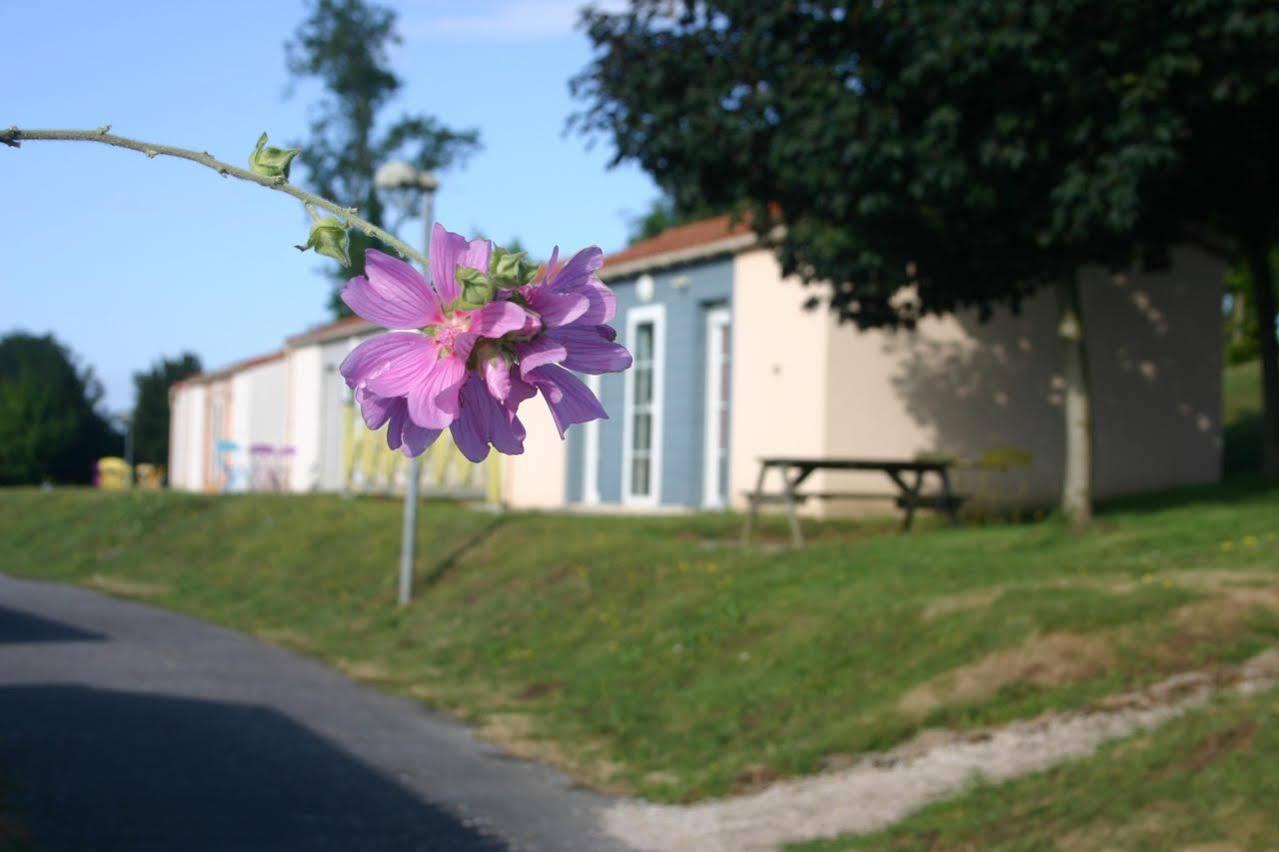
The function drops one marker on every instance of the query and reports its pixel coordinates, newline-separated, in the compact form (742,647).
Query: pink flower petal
(375,410)
(602,303)
(477,255)
(497,376)
(469,427)
(569,399)
(539,352)
(557,308)
(447,251)
(391,293)
(498,318)
(416,440)
(579,268)
(433,400)
(388,364)
(590,349)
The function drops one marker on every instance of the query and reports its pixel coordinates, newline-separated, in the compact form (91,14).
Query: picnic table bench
(906,475)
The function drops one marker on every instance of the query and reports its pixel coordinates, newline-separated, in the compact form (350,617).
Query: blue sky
(126,259)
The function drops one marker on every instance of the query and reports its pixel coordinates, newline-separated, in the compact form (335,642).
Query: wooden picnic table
(906,474)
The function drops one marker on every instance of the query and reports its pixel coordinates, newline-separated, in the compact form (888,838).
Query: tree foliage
(344,44)
(50,425)
(972,150)
(151,405)
(964,152)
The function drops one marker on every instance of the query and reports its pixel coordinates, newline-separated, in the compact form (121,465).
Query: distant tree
(344,44)
(151,406)
(50,425)
(964,152)
(1242,331)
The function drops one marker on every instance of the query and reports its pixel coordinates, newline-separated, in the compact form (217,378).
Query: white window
(719,353)
(591,453)
(642,428)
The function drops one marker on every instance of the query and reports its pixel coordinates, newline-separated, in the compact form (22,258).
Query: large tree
(1227,98)
(962,152)
(151,405)
(344,44)
(51,428)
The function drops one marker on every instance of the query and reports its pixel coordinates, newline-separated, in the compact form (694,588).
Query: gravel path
(882,789)
(124,727)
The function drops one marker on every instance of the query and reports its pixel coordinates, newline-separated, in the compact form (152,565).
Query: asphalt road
(124,727)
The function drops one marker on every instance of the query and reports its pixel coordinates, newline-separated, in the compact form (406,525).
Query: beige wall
(780,369)
(963,387)
(302,416)
(535,480)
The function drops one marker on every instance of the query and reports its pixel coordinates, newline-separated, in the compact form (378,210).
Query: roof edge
(724,245)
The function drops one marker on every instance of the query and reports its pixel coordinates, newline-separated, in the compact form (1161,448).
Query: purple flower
(423,359)
(574,307)
(445,363)
(402,434)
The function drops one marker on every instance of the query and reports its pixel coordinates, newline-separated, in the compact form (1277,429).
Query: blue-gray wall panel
(687,292)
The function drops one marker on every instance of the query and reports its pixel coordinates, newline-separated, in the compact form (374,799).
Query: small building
(730,366)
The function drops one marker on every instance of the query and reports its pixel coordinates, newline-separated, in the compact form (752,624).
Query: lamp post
(404,179)
(125,419)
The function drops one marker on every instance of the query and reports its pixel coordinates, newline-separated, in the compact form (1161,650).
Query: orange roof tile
(681,237)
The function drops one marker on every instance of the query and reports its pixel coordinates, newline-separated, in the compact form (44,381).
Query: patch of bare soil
(1052,659)
(516,734)
(963,602)
(121,587)
(877,790)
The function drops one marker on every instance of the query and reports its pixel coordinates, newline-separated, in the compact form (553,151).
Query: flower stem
(14,137)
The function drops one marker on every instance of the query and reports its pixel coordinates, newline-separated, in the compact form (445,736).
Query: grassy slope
(1207,781)
(649,653)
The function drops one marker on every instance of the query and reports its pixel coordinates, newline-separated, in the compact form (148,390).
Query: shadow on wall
(1155,372)
(993,386)
(98,769)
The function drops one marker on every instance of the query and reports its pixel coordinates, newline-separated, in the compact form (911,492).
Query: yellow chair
(113,474)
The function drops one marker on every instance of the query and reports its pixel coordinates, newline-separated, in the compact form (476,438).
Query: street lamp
(404,182)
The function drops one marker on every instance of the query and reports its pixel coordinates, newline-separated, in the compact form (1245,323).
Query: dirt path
(882,789)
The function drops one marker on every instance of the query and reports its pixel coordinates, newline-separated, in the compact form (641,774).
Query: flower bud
(511,269)
(271,162)
(477,288)
(329,238)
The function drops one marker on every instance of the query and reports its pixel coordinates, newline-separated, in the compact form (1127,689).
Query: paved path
(124,727)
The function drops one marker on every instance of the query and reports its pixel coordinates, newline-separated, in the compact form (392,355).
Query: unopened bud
(271,162)
(477,288)
(511,268)
(329,238)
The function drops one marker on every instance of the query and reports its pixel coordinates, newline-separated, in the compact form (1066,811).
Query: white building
(731,367)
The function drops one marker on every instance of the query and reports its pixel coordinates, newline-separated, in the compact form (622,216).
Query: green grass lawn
(1208,781)
(653,655)
(1241,396)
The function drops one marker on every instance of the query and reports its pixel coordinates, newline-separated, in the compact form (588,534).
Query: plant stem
(14,137)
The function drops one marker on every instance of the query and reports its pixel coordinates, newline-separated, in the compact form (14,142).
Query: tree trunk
(1076,492)
(1263,293)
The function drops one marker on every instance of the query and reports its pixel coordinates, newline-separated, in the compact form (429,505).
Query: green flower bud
(271,162)
(329,238)
(477,288)
(511,268)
